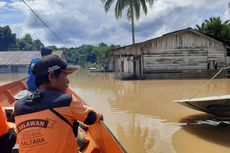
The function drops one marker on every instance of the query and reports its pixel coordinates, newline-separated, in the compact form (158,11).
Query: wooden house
(183,53)
(18,61)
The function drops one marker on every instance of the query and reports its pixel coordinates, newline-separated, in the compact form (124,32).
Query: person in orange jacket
(7,134)
(39,128)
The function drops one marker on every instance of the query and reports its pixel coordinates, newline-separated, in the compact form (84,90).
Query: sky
(79,22)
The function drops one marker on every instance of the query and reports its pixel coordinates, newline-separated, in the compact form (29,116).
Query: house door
(212,65)
(137,66)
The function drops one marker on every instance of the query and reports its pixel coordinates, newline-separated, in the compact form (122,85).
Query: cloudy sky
(79,22)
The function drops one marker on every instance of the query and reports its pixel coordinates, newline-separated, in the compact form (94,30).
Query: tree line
(85,55)
(9,42)
(97,56)
(89,55)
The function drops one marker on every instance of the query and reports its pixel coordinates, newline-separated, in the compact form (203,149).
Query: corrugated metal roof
(21,57)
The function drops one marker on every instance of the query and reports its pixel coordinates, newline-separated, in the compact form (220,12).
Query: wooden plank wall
(181,52)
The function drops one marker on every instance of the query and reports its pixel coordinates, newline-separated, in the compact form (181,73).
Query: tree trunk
(132,22)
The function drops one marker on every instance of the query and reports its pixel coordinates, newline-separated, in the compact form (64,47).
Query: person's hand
(100,116)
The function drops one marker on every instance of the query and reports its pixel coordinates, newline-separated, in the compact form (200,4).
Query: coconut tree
(133,8)
(215,27)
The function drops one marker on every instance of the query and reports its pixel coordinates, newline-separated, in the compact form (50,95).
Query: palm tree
(215,27)
(133,8)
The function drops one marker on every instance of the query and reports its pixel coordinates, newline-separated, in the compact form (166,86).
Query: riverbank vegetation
(97,56)
(85,55)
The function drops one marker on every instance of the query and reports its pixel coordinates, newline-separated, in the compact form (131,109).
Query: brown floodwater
(144,118)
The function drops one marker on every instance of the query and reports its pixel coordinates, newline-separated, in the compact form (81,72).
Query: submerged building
(183,53)
(18,61)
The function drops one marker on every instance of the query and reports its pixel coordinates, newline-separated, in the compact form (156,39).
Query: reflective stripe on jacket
(41,131)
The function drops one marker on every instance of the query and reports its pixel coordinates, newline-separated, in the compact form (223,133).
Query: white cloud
(161,31)
(2,5)
(79,22)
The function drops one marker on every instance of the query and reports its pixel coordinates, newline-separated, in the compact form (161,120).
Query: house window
(3,66)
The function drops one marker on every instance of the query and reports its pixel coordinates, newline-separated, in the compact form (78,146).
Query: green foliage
(7,39)
(53,47)
(9,42)
(38,44)
(215,27)
(127,5)
(85,55)
(133,8)
(89,56)
(28,44)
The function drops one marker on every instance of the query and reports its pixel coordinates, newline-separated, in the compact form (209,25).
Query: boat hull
(216,105)
(101,139)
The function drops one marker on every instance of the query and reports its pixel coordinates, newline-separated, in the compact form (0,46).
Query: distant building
(183,53)
(18,61)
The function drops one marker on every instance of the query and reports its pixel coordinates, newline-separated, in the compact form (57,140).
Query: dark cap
(46,51)
(51,63)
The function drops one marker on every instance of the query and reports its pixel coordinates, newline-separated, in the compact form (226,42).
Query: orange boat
(101,139)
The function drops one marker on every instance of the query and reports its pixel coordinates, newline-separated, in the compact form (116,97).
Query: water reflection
(8,77)
(208,127)
(135,136)
(146,134)
(143,117)
(202,133)
(128,112)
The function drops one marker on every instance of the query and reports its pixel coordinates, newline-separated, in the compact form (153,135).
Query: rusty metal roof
(21,57)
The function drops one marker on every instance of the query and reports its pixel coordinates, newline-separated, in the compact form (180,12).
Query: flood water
(144,118)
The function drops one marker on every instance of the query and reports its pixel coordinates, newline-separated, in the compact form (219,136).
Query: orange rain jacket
(41,131)
(3,122)
(7,134)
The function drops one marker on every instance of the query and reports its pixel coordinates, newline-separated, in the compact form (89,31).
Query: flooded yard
(145,119)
